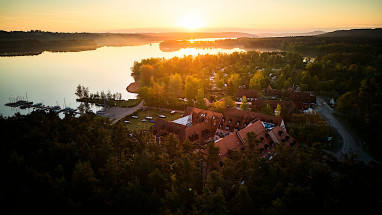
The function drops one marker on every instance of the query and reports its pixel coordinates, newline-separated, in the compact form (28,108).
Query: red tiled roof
(239,119)
(204,125)
(279,135)
(249,93)
(269,91)
(163,127)
(302,97)
(229,143)
(261,134)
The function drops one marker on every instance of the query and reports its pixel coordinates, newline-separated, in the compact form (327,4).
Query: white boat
(162,116)
(135,117)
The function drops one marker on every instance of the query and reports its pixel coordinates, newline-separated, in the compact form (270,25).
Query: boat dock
(24,104)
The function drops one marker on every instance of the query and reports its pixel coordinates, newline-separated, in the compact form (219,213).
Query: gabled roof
(239,119)
(249,93)
(269,91)
(204,125)
(229,143)
(163,127)
(302,97)
(261,134)
(279,135)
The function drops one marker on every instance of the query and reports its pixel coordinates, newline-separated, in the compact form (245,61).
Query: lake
(52,77)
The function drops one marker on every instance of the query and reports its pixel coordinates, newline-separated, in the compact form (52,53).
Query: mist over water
(52,77)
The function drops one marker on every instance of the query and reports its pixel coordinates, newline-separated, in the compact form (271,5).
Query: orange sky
(108,15)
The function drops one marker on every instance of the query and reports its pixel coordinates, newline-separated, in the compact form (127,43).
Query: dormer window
(213,117)
(227,127)
(222,119)
(229,121)
(235,129)
(221,125)
(281,133)
(238,123)
(245,124)
(262,139)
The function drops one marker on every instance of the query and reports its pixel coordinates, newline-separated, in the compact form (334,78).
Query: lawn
(138,125)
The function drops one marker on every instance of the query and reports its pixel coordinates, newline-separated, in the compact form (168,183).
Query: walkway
(350,144)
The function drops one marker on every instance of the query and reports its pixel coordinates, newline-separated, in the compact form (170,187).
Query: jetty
(19,102)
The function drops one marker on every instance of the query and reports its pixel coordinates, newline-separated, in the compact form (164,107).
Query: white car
(149,117)
(144,120)
(135,117)
(172,112)
(162,116)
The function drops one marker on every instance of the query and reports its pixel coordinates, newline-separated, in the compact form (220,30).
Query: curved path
(350,144)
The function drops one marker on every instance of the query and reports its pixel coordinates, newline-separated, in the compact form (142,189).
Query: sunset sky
(110,15)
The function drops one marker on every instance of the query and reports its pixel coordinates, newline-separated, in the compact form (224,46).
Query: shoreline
(133,87)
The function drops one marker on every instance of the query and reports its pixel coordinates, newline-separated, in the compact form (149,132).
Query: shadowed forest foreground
(85,166)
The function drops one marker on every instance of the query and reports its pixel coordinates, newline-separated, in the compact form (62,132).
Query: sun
(191,22)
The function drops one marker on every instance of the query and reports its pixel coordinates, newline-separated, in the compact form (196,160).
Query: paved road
(350,144)
(117,113)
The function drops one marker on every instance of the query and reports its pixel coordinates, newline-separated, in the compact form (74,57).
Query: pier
(25,104)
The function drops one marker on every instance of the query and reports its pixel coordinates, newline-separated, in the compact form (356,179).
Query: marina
(19,102)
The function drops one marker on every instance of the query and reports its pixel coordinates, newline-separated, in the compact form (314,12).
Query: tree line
(82,92)
(85,166)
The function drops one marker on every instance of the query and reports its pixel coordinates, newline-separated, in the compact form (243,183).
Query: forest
(85,166)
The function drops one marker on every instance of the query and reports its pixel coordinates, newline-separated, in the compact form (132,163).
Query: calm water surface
(51,78)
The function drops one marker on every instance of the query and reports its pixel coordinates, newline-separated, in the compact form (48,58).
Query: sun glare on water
(191,22)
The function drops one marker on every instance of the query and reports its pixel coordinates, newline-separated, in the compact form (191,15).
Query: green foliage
(191,88)
(244,104)
(146,72)
(233,83)
(255,82)
(84,165)
(267,110)
(200,102)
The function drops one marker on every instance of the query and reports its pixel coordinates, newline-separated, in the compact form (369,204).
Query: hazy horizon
(249,16)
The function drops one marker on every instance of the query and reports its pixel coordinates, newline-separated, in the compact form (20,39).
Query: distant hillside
(361,33)
(313,33)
